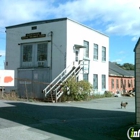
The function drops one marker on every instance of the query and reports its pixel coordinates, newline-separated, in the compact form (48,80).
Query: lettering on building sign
(33,35)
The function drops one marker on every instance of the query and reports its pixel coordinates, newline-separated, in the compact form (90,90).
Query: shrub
(74,90)
(108,94)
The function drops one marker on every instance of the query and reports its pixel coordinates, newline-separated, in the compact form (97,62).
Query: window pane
(27,53)
(42,52)
(76,55)
(103,54)
(117,83)
(112,83)
(95,81)
(103,81)
(85,76)
(86,50)
(95,54)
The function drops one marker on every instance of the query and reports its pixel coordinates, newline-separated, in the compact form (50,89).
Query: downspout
(51,51)
(135,89)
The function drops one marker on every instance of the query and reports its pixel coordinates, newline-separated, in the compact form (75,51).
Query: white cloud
(135,38)
(2,52)
(117,60)
(120,17)
(15,11)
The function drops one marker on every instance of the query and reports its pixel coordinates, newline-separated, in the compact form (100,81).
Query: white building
(40,50)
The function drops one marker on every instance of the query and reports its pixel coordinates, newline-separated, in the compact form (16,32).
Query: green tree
(126,66)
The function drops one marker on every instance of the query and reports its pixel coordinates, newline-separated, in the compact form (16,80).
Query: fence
(26,88)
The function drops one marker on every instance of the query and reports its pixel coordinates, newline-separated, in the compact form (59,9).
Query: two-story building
(39,51)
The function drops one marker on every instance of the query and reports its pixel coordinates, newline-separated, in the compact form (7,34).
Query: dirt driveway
(99,119)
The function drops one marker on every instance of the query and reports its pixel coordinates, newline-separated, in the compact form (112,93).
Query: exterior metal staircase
(54,90)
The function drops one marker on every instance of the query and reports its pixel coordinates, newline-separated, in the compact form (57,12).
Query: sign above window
(33,35)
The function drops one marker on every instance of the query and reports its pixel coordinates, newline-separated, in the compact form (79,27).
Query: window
(121,83)
(103,53)
(131,83)
(27,53)
(95,52)
(42,52)
(86,50)
(112,83)
(76,55)
(117,83)
(34,27)
(85,76)
(124,83)
(95,81)
(103,81)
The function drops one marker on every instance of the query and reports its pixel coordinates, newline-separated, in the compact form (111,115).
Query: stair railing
(57,79)
(59,93)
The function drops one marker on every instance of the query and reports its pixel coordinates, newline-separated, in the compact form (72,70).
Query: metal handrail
(66,79)
(60,77)
(56,79)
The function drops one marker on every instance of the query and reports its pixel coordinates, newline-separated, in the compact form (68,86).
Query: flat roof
(49,21)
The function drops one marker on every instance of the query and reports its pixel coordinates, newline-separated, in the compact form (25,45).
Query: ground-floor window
(95,81)
(103,81)
(121,83)
(112,83)
(85,76)
(117,83)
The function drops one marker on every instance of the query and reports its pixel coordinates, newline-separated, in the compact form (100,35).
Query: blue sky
(119,19)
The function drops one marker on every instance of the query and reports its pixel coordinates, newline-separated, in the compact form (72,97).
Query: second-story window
(86,50)
(76,55)
(103,53)
(27,53)
(95,52)
(42,52)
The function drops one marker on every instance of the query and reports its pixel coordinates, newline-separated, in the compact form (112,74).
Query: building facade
(137,81)
(120,80)
(40,50)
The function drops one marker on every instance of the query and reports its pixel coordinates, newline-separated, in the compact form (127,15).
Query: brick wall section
(121,86)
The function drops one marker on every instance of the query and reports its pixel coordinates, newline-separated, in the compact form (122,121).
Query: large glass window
(42,52)
(95,81)
(86,50)
(103,53)
(27,53)
(95,50)
(103,81)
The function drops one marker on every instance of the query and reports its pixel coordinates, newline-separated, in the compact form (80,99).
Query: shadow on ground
(70,122)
